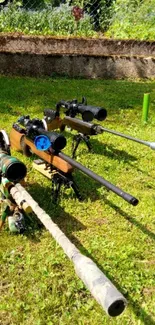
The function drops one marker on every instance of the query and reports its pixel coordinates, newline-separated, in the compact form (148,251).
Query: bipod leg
(77,139)
(87,142)
(75,188)
(66,180)
(56,185)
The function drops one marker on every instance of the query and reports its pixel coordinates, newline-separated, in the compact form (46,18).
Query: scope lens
(15,171)
(101,115)
(59,143)
(87,116)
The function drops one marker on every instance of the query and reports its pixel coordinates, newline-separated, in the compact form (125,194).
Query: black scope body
(88,112)
(29,124)
(58,141)
(36,127)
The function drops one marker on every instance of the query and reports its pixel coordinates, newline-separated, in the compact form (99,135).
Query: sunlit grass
(38,283)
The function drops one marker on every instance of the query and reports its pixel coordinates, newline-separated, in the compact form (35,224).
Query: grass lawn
(38,285)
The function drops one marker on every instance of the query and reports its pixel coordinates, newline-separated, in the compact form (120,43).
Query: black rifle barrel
(146,143)
(126,196)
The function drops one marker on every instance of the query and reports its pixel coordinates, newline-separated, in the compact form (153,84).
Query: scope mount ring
(4,141)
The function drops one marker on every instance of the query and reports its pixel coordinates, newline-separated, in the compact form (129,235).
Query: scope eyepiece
(30,124)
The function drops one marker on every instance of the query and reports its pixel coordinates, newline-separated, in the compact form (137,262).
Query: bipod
(65,179)
(57,177)
(76,141)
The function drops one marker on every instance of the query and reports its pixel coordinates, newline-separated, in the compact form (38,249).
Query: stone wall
(76,57)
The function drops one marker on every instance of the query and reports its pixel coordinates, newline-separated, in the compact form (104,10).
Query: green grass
(38,283)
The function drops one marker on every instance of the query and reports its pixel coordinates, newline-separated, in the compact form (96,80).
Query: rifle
(33,139)
(19,203)
(85,130)
(11,171)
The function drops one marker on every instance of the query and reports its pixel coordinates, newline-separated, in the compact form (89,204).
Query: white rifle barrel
(106,294)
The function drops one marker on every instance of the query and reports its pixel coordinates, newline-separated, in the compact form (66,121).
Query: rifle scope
(35,130)
(11,168)
(88,112)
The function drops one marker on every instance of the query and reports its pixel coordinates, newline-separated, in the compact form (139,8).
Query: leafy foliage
(113,18)
(133,19)
(53,21)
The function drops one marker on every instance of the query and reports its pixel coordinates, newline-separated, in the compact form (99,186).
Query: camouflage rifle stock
(11,171)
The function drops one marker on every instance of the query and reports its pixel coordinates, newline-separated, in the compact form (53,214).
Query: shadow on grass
(68,224)
(88,186)
(100,148)
(59,215)
(131,219)
(110,151)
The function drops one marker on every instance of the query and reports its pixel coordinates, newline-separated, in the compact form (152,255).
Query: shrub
(54,21)
(99,10)
(133,19)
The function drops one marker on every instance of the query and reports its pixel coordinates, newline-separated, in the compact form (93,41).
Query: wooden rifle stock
(19,142)
(83,127)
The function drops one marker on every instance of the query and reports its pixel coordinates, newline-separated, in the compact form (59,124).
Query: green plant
(58,20)
(133,19)
(100,11)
